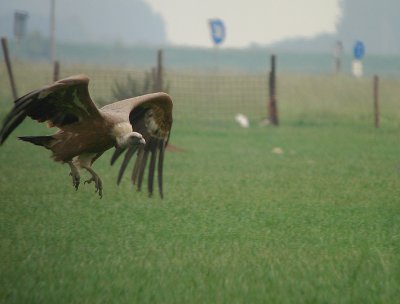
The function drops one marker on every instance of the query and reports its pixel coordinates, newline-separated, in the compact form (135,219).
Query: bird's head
(131,139)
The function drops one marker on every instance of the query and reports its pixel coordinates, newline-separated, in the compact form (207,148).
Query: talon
(100,188)
(95,178)
(97,184)
(89,181)
(75,180)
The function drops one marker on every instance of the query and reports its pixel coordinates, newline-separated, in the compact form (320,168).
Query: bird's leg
(76,179)
(96,179)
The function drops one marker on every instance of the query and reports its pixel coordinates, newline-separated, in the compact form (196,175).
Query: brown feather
(143,163)
(135,171)
(160,167)
(63,103)
(128,155)
(86,130)
(117,153)
(152,165)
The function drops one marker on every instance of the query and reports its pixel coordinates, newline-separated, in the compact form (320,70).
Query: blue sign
(359,50)
(217,28)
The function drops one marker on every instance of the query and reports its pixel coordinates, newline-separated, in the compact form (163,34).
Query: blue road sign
(217,28)
(359,50)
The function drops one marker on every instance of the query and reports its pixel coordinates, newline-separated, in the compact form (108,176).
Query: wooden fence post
(56,71)
(9,68)
(272,107)
(376,100)
(159,71)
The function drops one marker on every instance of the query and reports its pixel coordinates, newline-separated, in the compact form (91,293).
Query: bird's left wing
(63,103)
(151,116)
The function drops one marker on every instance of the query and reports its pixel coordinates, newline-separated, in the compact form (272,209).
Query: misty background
(89,21)
(128,32)
(376,23)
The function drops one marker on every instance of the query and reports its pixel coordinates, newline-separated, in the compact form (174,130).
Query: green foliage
(133,87)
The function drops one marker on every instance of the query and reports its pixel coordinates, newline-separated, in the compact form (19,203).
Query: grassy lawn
(318,223)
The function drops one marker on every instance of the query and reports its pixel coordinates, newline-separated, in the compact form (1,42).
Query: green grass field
(319,223)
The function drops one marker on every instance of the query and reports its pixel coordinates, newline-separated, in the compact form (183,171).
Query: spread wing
(151,116)
(65,102)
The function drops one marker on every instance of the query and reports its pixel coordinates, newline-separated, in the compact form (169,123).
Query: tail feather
(45,141)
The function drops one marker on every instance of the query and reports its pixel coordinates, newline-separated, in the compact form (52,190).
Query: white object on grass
(242,120)
(277,150)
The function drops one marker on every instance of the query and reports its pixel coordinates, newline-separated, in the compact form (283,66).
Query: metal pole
(376,100)
(9,68)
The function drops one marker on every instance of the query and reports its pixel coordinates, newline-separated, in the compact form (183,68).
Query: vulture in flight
(141,124)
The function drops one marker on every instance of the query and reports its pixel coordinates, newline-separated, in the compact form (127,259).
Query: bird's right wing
(151,116)
(65,102)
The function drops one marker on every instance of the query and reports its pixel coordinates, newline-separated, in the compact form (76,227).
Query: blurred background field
(305,212)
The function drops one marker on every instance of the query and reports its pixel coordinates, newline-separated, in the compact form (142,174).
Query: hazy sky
(246,21)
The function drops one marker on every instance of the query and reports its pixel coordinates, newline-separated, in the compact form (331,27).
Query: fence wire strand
(213,95)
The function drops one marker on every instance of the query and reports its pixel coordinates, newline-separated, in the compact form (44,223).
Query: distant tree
(376,23)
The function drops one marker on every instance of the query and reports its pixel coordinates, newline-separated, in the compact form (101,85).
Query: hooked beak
(142,141)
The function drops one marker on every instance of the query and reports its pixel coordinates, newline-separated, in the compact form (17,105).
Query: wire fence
(213,95)
(217,96)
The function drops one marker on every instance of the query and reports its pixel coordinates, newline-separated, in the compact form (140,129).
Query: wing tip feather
(75,79)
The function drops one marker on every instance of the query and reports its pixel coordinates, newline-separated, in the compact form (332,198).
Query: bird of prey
(141,124)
